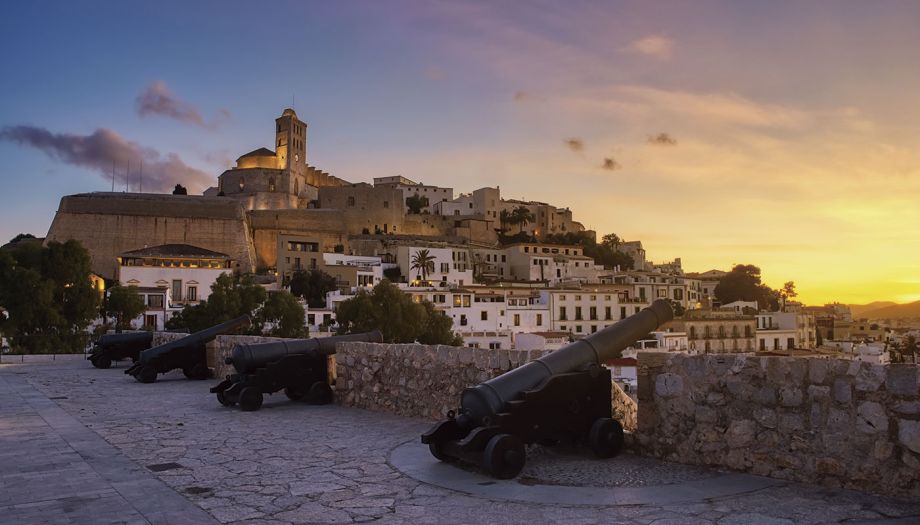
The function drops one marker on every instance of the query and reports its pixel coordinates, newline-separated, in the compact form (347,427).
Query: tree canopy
(416,202)
(396,315)
(312,286)
(180,190)
(743,283)
(124,304)
(605,253)
(423,262)
(282,311)
(48,296)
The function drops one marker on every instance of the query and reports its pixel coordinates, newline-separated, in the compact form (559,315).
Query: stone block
(871,418)
(790,423)
(741,433)
(765,396)
(829,467)
(790,396)
(909,434)
(797,368)
(765,416)
(907,408)
(838,420)
(817,370)
(870,377)
(819,394)
(903,380)
(843,390)
(669,385)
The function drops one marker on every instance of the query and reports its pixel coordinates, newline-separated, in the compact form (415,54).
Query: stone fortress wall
(109,224)
(840,423)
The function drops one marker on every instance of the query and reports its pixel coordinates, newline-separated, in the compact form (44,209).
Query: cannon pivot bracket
(564,396)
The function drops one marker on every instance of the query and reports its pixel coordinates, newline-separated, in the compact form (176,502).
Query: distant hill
(894,312)
(858,309)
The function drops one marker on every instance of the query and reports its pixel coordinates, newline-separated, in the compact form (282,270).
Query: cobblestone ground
(294,463)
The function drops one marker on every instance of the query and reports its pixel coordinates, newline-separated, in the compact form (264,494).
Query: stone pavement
(81,445)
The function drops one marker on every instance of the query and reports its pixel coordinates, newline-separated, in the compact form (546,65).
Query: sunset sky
(781,134)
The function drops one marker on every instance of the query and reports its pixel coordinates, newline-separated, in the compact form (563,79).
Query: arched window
(693,332)
(271,184)
(242,183)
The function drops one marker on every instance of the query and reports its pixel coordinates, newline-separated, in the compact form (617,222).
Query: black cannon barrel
(488,398)
(248,357)
(198,338)
(126,339)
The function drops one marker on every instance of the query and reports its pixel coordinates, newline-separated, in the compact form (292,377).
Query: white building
(434,194)
(451,264)
(171,276)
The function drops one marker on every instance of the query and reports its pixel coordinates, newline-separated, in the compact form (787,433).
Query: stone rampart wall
(625,408)
(841,423)
(416,380)
(109,224)
(161,338)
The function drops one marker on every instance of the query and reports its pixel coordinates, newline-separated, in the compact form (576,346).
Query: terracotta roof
(622,361)
(175,250)
(261,152)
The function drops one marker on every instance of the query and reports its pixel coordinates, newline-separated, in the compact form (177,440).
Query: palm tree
(504,220)
(423,261)
(523,216)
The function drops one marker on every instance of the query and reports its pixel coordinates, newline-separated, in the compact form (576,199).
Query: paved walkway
(81,445)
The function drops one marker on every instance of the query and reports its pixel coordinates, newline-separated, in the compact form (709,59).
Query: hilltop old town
(539,348)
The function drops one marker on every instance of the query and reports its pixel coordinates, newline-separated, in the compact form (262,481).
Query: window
(578,313)
(622,312)
(747,331)
(607,313)
(350,202)
(562,315)
(177,290)
(242,183)
(517,319)
(445,267)
(662,292)
(642,293)
(271,184)
(150,321)
(578,328)
(562,298)
(692,332)
(790,343)
(386,204)
(578,298)
(678,294)
(192,293)
(763,345)
(484,315)
(539,319)
(592,312)
(463,320)
(155,301)
(495,346)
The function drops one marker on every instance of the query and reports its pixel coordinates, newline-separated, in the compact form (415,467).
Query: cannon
(562,397)
(115,347)
(188,353)
(298,366)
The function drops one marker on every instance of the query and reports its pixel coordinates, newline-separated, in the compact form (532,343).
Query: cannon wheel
(147,374)
(294,393)
(504,456)
(250,399)
(197,371)
(223,400)
(435,448)
(320,393)
(606,437)
(102,362)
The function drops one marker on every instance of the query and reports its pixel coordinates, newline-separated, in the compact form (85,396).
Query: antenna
(141,190)
(292,102)
(113,175)
(127,175)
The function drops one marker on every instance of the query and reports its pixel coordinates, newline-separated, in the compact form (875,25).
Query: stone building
(718,332)
(279,179)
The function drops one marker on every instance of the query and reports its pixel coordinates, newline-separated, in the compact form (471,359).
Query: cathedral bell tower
(291,147)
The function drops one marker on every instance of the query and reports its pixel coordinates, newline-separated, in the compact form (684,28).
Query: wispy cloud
(662,139)
(103,149)
(157,99)
(574,144)
(611,164)
(655,46)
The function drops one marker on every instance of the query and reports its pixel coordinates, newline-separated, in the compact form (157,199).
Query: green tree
(232,295)
(611,239)
(48,297)
(504,219)
(285,314)
(124,304)
(396,315)
(312,285)
(416,202)
(423,262)
(743,283)
(180,190)
(21,237)
(522,216)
